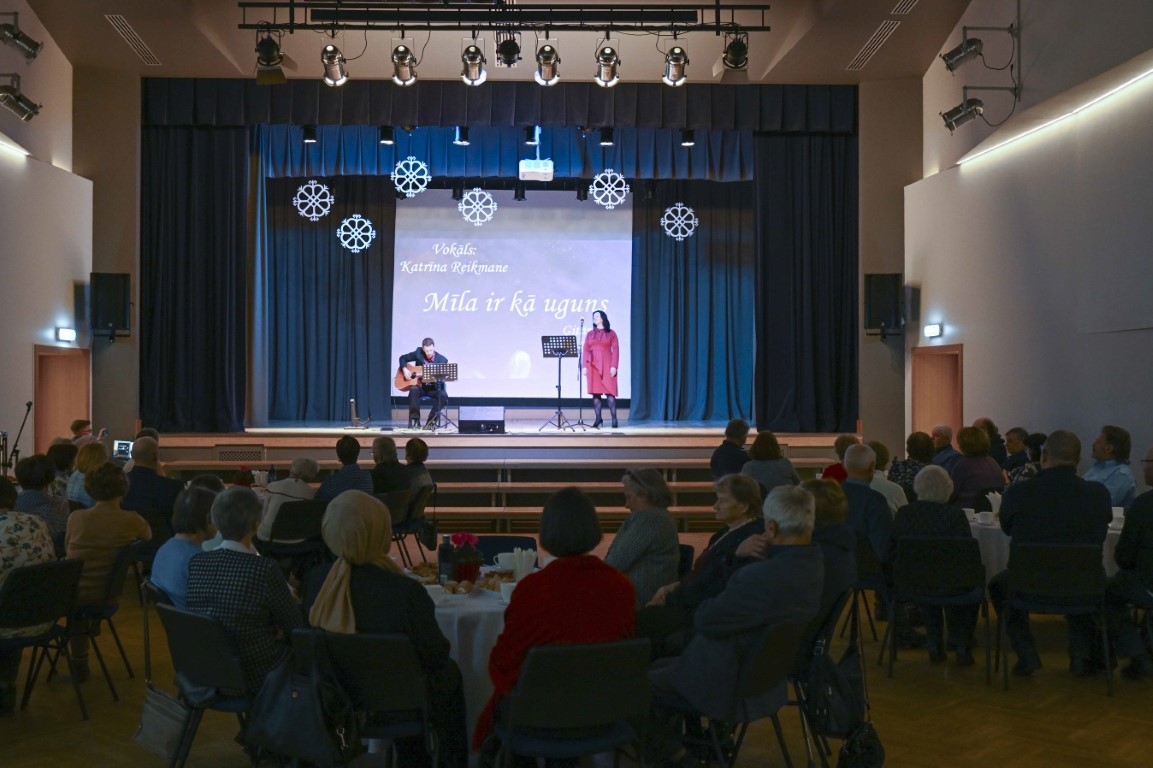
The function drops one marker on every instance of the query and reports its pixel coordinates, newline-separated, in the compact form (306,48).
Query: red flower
(460,539)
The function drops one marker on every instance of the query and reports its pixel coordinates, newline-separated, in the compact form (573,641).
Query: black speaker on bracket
(111,304)
(883,315)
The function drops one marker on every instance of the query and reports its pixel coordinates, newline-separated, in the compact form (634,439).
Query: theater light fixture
(688,137)
(335,72)
(65,334)
(403,66)
(387,135)
(547,65)
(966,111)
(15,101)
(309,134)
(532,135)
(12,35)
(473,61)
(675,62)
(608,62)
(460,136)
(736,54)
(970,48)
(507,49)
(606,136)
(269,58)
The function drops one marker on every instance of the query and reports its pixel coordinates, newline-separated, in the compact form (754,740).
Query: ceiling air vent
(875,42)
(903,7)
(121,25)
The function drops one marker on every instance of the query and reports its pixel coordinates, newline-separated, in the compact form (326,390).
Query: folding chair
(409,525)
(103,611)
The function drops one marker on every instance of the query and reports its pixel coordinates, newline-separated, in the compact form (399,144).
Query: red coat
(575,599)
(601,352)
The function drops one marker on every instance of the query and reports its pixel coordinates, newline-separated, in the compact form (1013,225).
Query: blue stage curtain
(693,304)
(807,285)
(193,278)
(329,311)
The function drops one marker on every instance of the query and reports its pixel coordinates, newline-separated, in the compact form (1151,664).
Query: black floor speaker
(481,420)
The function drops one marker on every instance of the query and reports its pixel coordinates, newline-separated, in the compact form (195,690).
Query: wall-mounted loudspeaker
(111,303)
(883,305)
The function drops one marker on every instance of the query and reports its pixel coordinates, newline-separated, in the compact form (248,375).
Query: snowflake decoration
(679,221)
(313,200)
(410,176)
(609,188)
(356,233)
(477,207)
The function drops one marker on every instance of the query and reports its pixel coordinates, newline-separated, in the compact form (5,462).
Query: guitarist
(425,354)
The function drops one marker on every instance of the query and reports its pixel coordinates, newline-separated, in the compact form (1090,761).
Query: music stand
(559,347)
(432,373)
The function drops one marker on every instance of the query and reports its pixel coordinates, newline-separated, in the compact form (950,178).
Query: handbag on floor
(162,721)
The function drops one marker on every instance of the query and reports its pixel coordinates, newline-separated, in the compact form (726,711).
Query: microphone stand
(580,422)
(10,459)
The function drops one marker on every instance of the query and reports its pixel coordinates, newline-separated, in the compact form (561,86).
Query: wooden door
(62,392)
(937,387)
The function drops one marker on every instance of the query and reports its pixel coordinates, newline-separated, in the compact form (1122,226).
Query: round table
(994,544)
(472,624)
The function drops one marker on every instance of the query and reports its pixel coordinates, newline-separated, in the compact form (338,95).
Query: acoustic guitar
(403,382)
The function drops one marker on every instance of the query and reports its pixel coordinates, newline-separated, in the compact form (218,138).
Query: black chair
(396,501)
(383,676)
(409,524)
(870,576)
(36,595)
(208,671)
(818,640)
(1061,579)
(938,572)
(491,546)
(685,564)
(102,612)
(574,700)
(150,594)
(296,543)
(161,525)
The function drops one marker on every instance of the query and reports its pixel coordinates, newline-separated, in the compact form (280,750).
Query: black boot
(613,410)
(597,410)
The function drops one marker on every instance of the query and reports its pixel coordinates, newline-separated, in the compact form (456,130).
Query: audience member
(919,453)
(944,454)
(88,458)
(350,477)
(837,471)
(730,457)
(893,493)
(785,587)
(388,474)
(997,449)
(34,474)
(1111,465)
(1055,508)
(1016,456)
(63,457)
(669,615)
(576,599)
(246,593)
(646,548)
(96,536)
(868,513)
(192,524)
(82,433)
(1134,581)
(976,471)
(24,541)
(1031,468)
(146,488)
(292,488)
(768,465)
(931,515)
(415,455)
(214,484)
(155,435)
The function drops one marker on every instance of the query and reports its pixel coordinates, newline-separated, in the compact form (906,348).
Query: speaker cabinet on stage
(883,304)
(482,420)
(111,304)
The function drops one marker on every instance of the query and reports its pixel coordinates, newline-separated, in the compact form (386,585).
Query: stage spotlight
(688,137)
(458,190)
(473,71)
(15,101)
(518,192)
(334,70)
(582,190)
(387,135)
(403,66)
(547,65)
(507,50)
(970,48)
(967,110)
(675,62)
(607,64)
(460,136)
(736,50)
(13,36)
(268,59)
(309,134)
(532,135)
(606,136)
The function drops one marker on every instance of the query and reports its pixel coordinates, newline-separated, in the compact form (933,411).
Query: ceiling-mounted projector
(535,170)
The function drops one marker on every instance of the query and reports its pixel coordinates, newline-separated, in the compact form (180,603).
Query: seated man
(729,457)
(350,477)
(388,474)
(1016,456)
(147,489)
(944,454)
(1056,507)
(869,513)
(893,493)
(295,487)
(1134,580)
(1111,465)
(425,354)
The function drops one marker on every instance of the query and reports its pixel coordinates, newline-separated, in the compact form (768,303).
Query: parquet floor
(926,715)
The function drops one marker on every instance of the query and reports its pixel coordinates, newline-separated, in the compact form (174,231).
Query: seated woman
(366,591)
(89,457)
(63,456)
(646,548)
(768,465)
(669,615)
(96,536)
(931,515)
(919,454)
(976,471)
(35,474)
(192,524)
(246,593)
(415,455)
(576,598)
(1032,467)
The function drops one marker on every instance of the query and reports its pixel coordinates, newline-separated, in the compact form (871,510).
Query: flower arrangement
(465,556)
(460,539)
(244,477)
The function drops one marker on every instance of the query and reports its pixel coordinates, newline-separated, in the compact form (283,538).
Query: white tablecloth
(995,549)
(472,624)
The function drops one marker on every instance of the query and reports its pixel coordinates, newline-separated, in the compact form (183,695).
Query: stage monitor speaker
(111,304)
(883,304)
(482,420)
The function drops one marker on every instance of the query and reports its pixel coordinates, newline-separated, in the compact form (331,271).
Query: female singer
(601,358)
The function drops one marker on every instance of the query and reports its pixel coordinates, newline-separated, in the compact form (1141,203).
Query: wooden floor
(926,715)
